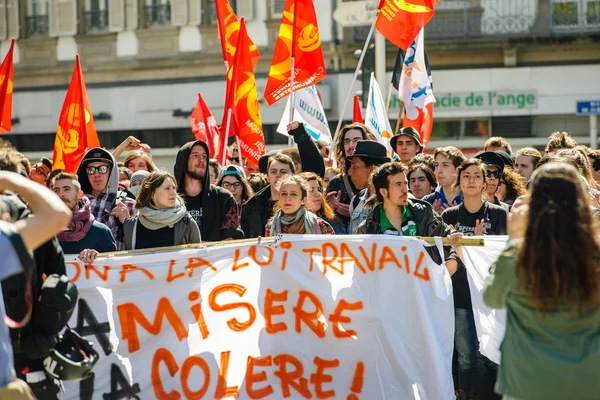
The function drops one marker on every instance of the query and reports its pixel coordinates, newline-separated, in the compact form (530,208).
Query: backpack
(19,290)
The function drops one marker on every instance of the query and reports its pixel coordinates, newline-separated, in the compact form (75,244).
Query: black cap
(491,158)
(406,131)
(370,149)
(507,158)
(263,162)
(96,155)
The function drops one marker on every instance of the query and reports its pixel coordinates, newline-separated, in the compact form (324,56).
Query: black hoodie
(220,219)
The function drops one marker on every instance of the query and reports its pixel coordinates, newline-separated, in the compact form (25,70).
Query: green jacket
(544,356)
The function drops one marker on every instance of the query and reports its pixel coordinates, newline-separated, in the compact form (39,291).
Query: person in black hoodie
(213,208)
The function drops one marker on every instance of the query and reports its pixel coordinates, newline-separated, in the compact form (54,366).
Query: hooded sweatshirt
(102,206)
(218,215)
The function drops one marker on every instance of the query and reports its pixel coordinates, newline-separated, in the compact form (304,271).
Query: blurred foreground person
(549,281)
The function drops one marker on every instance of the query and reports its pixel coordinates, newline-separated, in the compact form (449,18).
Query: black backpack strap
(28,267)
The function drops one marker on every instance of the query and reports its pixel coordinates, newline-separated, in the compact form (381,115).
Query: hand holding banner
(310,316)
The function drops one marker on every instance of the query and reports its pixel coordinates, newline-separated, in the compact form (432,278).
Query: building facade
(513,68)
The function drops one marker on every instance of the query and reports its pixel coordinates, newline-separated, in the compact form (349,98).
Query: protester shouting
(84,235)
(340,189)
(551,348)
(474,216)
(213,208)
(407,144)
(162,218)
(367,156)
(98,175)
(292,216)
(259,208)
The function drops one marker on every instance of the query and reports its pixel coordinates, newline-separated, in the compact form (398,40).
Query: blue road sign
(588,107)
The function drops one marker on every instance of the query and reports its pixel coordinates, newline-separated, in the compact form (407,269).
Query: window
(211,13)
(158,12)
(96,15)
(277,7)
(575,13)
(37,18)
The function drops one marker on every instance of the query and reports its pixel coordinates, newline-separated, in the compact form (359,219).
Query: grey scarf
(156,218)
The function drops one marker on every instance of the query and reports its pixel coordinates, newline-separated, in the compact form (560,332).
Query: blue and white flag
(376,117)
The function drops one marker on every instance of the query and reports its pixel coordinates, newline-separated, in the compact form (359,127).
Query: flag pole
(399,117)
(290,140)
(351,87)
(389,98)
(237,138)
(292,60)
(227,126)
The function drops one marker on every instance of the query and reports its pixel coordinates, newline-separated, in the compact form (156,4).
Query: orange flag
(7,74)
(400,21)
(205,127)
(76,132)
(229,29)
(243,100)
(298,38)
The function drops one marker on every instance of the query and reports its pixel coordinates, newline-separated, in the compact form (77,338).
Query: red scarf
(80,224)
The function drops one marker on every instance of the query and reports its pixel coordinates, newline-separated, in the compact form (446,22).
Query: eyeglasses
(103,169)
(347,142)
(228,185)
(492,174)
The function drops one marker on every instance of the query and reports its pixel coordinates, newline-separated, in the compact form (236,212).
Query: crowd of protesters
(356,186)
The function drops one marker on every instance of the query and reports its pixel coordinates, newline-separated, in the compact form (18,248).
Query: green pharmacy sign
(492,100)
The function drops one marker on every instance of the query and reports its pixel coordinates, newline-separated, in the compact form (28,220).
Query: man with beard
(213,208)
(85,236)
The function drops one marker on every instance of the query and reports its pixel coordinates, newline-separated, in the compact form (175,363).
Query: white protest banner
(358,317)
(308,109)
(490,323)
(376,116)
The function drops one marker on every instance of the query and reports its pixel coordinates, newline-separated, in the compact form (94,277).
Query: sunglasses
(103,169)
(492,174)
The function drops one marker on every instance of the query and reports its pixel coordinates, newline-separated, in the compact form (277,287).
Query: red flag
(400,21)
(76,132)
(243,100)
(298,38)
(205,127)
(357,113)
(229,29)
(7,74)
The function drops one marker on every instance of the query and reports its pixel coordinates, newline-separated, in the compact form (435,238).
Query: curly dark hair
(339,153)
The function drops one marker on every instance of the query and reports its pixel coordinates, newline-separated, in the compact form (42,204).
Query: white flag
(375,117)
(308,110)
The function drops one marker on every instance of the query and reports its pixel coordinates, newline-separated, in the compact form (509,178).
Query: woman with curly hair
(512,186)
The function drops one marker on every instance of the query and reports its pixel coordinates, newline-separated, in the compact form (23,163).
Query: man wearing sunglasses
(494,165)
(99,178)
